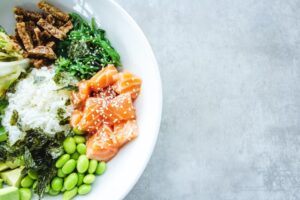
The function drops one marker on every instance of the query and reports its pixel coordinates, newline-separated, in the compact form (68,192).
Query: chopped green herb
(14,118)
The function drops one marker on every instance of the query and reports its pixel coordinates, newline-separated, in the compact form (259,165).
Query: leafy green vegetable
(8,52)
(86,50)
(3,105)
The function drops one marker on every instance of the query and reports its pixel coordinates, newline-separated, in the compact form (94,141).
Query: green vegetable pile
(85,51)
(75,172)
(8,52)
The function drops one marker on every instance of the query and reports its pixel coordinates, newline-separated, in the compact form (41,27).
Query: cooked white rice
(36,100)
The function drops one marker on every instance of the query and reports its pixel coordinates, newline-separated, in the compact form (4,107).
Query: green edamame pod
(71,181)
(34,185)
(101,168)
(69,166)
(26,182)
(93,166)
(78,132)
(69,145)
(60,173)
(81,149)
(68,195)
(80,179)
(57,183)
(25,194)
(33,174)
(82,164)
(1,183)
(62,160)
(75,155)
(53,192)
(89,179)
(79,139)
(84,189)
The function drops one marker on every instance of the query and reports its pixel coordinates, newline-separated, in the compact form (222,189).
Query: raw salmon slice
(92,117)
(119,109)
(100,146)
(104,78)
(128,83)
(84,90)
(78,98)
(125,132)
(75,118)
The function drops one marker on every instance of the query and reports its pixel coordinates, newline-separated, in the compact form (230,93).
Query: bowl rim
(160,96)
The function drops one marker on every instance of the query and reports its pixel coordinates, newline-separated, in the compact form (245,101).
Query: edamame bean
(62,160)
(79,139)
(80,179)
(81,148)
(75,155)
(71,181)
(69,145)
(89,179)
(34,185)
(101,168)
(69,166)
(32,174)
(93,166)
(68,195)
(78,132)
(26,182)
(60,173)
(1,183)
(57,183)
(82,164)
(84,189)
(25,194)
(53,192)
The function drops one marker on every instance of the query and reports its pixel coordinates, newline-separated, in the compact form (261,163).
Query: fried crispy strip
(38,63)
(25,37)
(19,18)
(50,9)
(50,19)
(35,16)
(42,52)
(66,27)
(37,33)
(55,32)
(51,44)
(16,44)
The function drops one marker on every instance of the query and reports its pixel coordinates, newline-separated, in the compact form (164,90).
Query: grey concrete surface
(231,118)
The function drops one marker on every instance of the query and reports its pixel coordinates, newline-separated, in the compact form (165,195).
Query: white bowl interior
(125,169)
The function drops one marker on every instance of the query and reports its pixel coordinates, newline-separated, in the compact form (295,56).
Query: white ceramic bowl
(137,56)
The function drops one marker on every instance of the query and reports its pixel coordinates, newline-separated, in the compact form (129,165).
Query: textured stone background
(231,79)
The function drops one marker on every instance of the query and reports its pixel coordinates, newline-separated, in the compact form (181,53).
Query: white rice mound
(37,99)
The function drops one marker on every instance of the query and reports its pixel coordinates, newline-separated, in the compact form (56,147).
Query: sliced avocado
(3,166)
(12,177)
(15,163)
(9,193)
